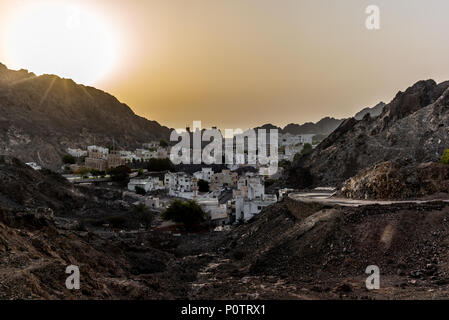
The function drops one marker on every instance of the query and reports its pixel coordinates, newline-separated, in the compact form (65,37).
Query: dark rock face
(323,127)
(40,117)
(414,126)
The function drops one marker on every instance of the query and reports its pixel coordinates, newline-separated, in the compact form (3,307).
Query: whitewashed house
(250,197)
(77,153)
(246,209)
(148,184)
(218,212)
(205,174)
(102,150)
(179,184)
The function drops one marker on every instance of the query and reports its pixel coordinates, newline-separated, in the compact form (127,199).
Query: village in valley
(227,193)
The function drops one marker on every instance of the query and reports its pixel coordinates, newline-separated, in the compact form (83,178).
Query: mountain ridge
(43,115)
(413,126)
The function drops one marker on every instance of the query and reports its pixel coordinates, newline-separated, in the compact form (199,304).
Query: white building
(250,197)
(246,209)
(179,184)
(250,186)
(218,212)
(102,150)
(77,153)
(148,184)
(205,174)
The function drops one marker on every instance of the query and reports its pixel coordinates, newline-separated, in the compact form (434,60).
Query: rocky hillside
(399,180)
(323,127)
(40,116)
(374,111)
(47,224)
(413,126)
(295,250)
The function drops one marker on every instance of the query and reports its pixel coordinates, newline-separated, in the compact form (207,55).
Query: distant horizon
(189,124)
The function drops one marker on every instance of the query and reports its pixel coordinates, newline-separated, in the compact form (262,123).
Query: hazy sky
(240,63)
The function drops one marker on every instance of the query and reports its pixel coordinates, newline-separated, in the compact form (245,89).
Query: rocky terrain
(396,180)
(323,127)
(291,250)
(294,250)
(40,116)
(47,224)
(373,112)
(414,126)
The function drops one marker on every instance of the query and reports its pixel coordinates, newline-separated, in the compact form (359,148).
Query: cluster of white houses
(101,158)
(230,198)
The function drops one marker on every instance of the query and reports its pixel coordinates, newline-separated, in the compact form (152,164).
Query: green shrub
(445,157)
(188,213)
(143,214)
(68,159)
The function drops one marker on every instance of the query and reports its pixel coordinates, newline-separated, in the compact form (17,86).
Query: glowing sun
(71,42)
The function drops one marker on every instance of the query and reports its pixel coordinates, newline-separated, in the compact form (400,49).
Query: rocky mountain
(413,126)
(323,127)
(374,111)
(41,116)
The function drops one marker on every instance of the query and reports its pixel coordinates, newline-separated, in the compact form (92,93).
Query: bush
(307,149)
(163,143)
(97,173)
(188,213)
(203,186)
(120,174)
(68,159)
(82,171)
(445,157)
(143,214)
(116,221)
(159,165)
(140,190)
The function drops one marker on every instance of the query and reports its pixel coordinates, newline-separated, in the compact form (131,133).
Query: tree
(445,157)
(284,163)
(97,173)
(82,171)
(188,213)
(203,186)
(68,159)
(143,214)
(306,149)
(140,190)
(160,165)
(163,143)
(120,174)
